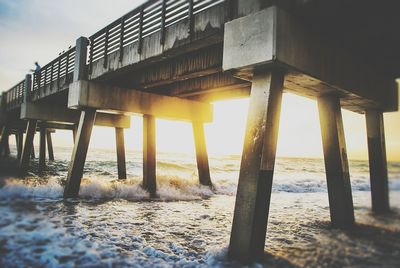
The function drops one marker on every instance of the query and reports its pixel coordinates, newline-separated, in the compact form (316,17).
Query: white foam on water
(31,188)
(169,187)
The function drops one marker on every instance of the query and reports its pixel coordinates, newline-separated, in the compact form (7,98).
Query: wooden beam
(336,163)
(124,100)
(257,168)
(149,154)
(120,142)
(377,161)
(75,170)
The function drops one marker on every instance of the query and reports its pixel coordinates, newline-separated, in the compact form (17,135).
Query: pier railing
(151,17)
(55,70)
(15,95)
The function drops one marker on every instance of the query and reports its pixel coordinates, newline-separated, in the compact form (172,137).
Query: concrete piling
(4,140)
(336,163)
(7,146)
(33,156)
(120,143)
(79,153)
(74,130)
(201,154)
(377,161)
(19,137)
(50,146)
(257,168)
(42,149)
(28,145)
(149,154)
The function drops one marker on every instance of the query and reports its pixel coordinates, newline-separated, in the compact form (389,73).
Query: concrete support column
(4,140)
(120,142)
(20,142)
(74,130)
(28,145)
(33,156)
(336,163)
(201,154)
(42,149)
(377,161)
(149,154)
(79,153)
(50,146)
(7,146)
(257,168)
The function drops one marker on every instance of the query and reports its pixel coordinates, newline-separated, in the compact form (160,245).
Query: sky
(38,30)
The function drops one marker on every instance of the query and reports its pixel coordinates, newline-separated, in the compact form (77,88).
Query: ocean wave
(169,188)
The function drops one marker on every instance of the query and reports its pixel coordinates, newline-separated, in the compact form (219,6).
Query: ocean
(115,223)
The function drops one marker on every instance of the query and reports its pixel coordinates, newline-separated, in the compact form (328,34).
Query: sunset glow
(299,132)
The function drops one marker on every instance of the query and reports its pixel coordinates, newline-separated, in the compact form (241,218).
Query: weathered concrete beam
(336,163)
(257,168)
(377,161)
(54,126)
(103,97)
(50,112)
(265,40)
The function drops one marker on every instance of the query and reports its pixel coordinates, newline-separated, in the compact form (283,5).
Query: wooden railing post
(140,33)
(191,19)
(105,53)
(51,75)
(59,72)
(67,67)
(121,39)
(91,55)
(163,13)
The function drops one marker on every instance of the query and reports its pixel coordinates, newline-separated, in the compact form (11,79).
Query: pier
(172,58)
